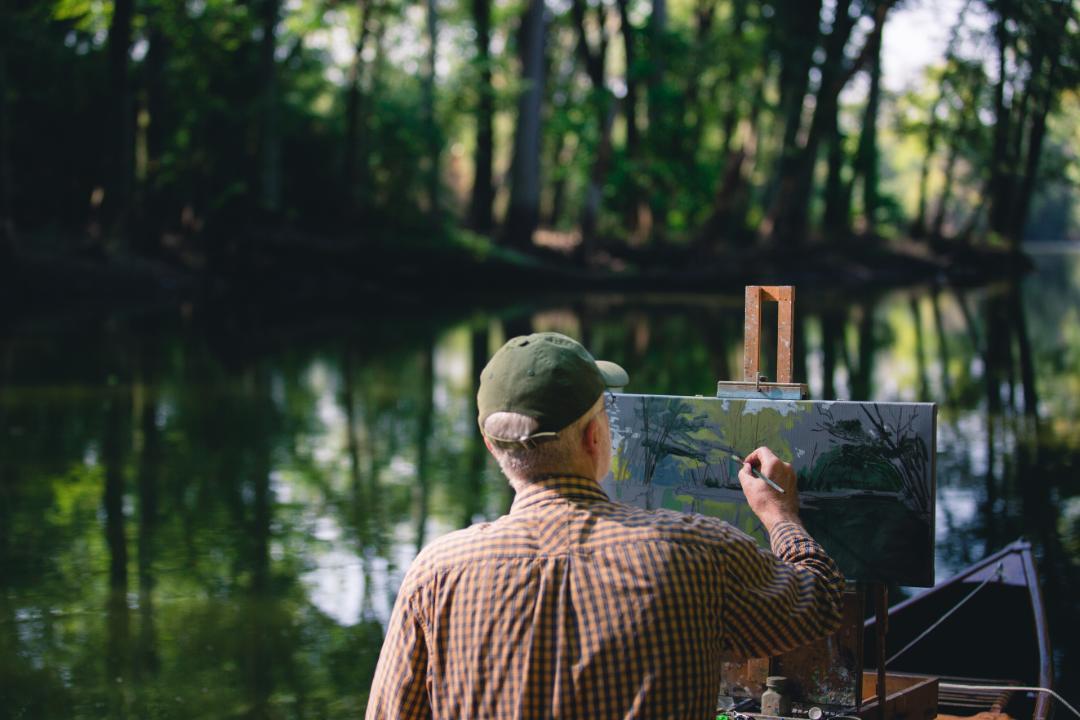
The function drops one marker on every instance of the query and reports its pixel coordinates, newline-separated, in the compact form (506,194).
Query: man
(573,606)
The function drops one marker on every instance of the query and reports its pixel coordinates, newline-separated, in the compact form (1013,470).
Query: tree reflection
(832,334)
(114,455)
(424,423)
(222,465)
(944,366)
(920,350)
(260,625)
(147,441)
(861,370)
(1023,342)
(473,501)
(352,441)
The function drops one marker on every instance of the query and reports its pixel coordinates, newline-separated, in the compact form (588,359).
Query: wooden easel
(755,386)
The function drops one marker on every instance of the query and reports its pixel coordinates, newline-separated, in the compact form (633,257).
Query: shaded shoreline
(284,268)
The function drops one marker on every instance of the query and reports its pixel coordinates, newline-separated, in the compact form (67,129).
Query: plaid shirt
(573,606)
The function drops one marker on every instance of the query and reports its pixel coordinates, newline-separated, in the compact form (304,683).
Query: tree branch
(868,48)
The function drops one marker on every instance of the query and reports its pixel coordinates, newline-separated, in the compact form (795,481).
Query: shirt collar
(556,487)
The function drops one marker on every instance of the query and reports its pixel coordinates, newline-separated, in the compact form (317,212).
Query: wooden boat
(988,629)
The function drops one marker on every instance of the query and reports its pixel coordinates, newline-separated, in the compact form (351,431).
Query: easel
(755,386)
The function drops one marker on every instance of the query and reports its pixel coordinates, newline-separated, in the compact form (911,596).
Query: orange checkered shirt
(572,606)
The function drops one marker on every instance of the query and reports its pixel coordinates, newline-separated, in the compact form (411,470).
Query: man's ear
(591,436)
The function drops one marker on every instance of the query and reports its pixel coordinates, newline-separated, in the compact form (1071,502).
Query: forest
(254,254)
(200,134)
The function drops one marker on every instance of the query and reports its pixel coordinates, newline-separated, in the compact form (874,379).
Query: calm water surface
(208,514)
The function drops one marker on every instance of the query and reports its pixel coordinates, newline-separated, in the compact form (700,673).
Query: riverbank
(283,266)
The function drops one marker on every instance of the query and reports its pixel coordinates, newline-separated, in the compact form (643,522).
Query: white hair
(523,460)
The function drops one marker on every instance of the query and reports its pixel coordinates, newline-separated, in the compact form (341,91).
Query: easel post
(753,385)
(881,621)
(784,296)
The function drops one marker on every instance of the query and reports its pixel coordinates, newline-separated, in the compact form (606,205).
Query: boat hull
(989,628)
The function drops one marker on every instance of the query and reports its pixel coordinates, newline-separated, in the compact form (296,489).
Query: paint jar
(775,700)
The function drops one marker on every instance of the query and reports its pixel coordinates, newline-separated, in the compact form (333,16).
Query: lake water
(206,511)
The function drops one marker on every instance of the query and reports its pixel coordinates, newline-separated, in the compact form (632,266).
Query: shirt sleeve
(777,601)
(399,689)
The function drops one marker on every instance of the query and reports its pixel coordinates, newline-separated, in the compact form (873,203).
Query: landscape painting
(865,471)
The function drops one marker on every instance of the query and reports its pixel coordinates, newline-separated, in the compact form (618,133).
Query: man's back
(573,606)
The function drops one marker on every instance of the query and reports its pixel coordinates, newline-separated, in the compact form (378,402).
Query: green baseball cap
(546,376)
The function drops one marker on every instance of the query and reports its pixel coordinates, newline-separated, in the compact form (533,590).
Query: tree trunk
(559,157)
(594,193)
(795,36)
(946,190)
(373,191)
(731,201)
(153,211)
(270,141)
(659,135)
(432,130)
(790,211)
(721,221)
(7,220)
(789,214)
(918,226)
(836,222)
(354,181)
(483,191)
(798,38)
(868,152)
(657,29)
(731,112)
(1034,155)
(630,108)
(517,325)
(1000,161)
(565,141)
(121,147)
(704,13)
(524,211)
(594,61)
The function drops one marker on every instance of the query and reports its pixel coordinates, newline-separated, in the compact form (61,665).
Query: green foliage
(343,128)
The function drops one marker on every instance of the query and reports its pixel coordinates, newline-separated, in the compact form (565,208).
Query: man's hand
(770,506)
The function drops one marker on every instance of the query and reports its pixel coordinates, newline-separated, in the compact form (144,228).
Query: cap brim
(614,376)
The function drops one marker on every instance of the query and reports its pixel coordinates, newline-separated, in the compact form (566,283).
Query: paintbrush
(756,473)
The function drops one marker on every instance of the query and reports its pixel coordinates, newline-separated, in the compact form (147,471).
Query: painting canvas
(865,471)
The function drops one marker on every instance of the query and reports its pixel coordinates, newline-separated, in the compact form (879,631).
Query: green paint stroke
(746,425)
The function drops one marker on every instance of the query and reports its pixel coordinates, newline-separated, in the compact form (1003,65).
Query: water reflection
(209,519)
